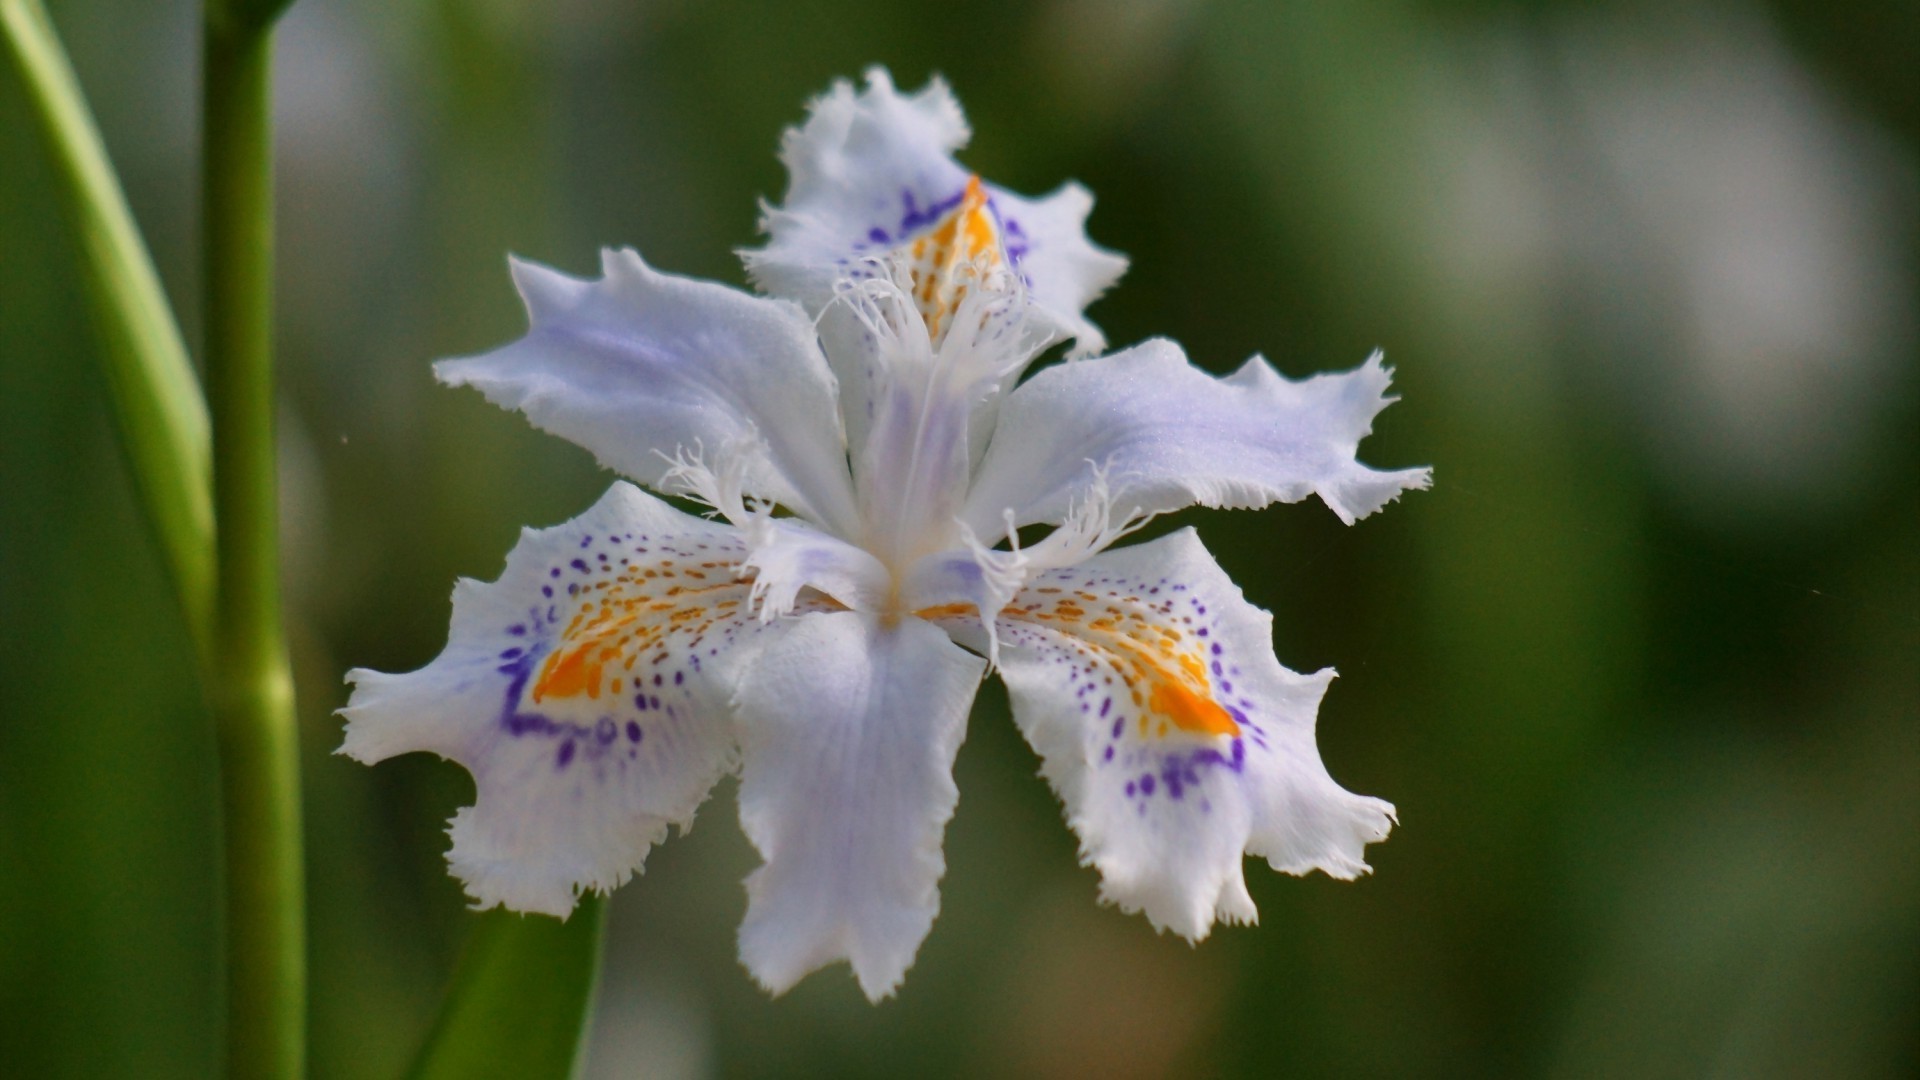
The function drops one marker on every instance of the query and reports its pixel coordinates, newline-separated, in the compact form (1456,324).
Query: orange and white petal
(587,691)
(848,728)
(1168,435)
(642,367)
(1176,741)
(873,186)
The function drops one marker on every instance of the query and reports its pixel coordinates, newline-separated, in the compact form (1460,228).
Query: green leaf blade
(157,401)
(519,1000)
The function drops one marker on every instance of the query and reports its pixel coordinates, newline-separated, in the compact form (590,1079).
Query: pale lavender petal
(870,173)
(642,367)
(849,729)
(1169,435)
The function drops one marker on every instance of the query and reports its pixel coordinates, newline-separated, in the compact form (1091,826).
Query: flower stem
(156,399)
(251,687)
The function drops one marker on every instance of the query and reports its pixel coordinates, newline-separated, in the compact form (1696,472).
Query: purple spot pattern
(688,607)
(918,214)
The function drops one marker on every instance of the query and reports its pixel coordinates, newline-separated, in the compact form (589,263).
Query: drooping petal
(872,177)
(641,366)
(849,729)
(587,691)
(1169,435)
(868,170)
(1176,740)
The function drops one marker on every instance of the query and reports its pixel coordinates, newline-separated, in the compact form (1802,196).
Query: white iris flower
(628,659)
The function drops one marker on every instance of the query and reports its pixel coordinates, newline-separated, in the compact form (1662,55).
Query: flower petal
(1047,242)
(1176,740)
(586,691)
(640,366)
(849,729)
(867,171)
(1169,435)
(871,174)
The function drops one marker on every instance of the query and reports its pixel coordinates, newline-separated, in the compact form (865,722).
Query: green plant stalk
(252,685)
(156,399)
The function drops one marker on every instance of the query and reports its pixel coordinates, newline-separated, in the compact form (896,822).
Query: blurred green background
(1642,672)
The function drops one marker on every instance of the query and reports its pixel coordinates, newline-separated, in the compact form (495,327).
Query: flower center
(947,323)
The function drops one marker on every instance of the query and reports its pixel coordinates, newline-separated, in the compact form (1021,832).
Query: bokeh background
(1642,671)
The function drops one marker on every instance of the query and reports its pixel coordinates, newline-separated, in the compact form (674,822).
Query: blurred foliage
(1642,672)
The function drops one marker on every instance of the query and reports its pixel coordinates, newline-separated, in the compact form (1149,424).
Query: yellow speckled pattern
(946,259)
(1141,646)
(626,620)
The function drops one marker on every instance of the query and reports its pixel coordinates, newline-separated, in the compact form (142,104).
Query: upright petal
(1170,435)
(1173,736)
(849,729)
(871,174)
(586,691)
(640,366)
(868,171)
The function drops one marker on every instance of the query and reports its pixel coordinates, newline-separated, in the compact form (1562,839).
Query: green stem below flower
(251,687)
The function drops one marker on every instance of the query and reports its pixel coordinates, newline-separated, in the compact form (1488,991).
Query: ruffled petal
(641,366)
(1176,740)
(1046,241)
(587,691)
(868,171)
(1169,435)
(871,180)
(849,729)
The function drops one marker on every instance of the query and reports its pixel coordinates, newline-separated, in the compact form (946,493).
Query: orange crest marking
(1161,667)
(622,620)
(961,246)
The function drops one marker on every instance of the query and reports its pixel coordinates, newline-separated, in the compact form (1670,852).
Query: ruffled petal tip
(871,171)
(1176,741)
(1169,435)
